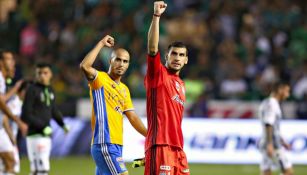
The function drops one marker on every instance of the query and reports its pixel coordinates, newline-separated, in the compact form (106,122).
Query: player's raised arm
(87,63)
(153,33)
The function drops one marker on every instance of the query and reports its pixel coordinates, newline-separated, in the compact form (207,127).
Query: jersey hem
(163,144)
(132,109)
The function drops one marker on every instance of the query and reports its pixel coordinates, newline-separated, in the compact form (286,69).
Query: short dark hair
(2,51)
(177,44)
(279,84)
(43,65)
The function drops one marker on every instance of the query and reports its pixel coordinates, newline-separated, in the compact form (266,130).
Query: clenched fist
(159,7)
(107,41)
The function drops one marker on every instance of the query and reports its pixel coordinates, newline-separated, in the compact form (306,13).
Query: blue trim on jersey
(101,131)
(108,159)
(95,135)
(105,123)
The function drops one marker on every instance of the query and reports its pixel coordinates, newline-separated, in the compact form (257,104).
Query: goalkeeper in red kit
(165,93)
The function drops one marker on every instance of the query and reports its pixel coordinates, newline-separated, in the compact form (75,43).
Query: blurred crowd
(237,48)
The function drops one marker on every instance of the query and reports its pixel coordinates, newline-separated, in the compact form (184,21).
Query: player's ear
(51,73)
(186,60)
(166,57)
(110,60)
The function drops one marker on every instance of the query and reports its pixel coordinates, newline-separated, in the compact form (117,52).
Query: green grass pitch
(85,166)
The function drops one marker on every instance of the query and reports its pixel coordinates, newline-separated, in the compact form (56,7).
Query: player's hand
(159,7)
(287,146)
(270,150)
(23,127)
(18,84)
(66,128)
(107,41)
(47,131)
(138,163)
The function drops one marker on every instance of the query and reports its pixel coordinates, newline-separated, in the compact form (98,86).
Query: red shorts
(166,160)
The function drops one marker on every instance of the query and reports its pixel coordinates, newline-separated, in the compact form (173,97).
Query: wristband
(156,15)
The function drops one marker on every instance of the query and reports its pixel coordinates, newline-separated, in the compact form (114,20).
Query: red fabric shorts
(166,160)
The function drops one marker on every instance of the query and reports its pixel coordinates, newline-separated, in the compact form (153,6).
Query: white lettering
(165,167)
(177,99)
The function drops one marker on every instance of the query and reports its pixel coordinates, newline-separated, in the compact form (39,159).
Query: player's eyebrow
(174,52)
(119,59)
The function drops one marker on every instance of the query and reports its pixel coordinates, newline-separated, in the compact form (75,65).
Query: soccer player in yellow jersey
(110,99)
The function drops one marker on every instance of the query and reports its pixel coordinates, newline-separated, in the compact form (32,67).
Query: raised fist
(107,41)
(159,7)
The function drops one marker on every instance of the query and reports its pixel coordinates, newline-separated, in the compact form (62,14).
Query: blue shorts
(108,159)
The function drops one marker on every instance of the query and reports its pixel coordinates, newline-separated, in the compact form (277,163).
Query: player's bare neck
(276,96)
(172,71)
(115,78)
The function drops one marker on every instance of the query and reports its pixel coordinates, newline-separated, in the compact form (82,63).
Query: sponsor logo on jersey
(117,108)
(119,159)
(121,163)
(177,99)
(41,147)
(164,173)
(186,170)
(165,167)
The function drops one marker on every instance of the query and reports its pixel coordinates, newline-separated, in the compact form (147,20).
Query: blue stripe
(106,123)
(101,131)
(100,118)
(96,119)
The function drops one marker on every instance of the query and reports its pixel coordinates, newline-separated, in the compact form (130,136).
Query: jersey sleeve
(56,113)
(269,114)
(154,69)
(27,114)
(98,81)
(128,105)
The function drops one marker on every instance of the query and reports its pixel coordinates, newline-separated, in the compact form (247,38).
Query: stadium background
(237,49)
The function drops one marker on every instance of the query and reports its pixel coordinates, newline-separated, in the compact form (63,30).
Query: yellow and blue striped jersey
(109,101)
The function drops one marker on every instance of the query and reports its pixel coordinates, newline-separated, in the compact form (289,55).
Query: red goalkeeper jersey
(165,104)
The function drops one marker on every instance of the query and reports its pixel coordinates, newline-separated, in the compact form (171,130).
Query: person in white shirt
(271,143)
(14,103)
(7,70)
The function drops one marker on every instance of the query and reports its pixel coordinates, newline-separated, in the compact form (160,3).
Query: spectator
(301,110)
(29,40)
(200,107)
(249,44)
